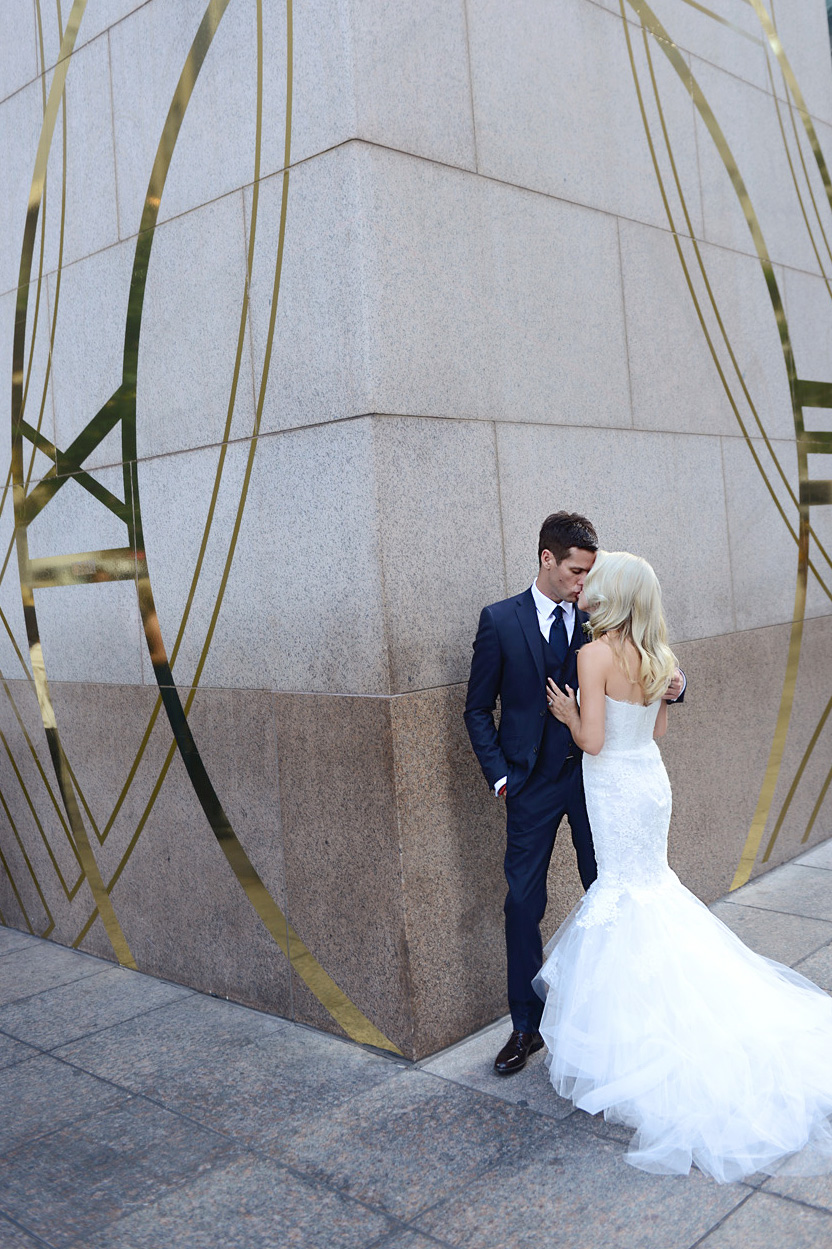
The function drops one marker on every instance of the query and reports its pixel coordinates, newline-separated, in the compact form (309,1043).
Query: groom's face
(564,581)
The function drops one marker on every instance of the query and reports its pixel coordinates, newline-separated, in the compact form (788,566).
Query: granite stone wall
(309,313)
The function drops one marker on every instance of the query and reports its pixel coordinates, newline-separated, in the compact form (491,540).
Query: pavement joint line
(65,984)
(389,1237)
(258,1151)
(262,1155)
(720,1222)
(798,1201)
(812,953)
(771,910)
(37,1052)
(23,1228)
(495,1096)
(96,1031)
(473,1036)
(25,945)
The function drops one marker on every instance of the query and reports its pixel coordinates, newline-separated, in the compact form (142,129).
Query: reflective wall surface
(309,313)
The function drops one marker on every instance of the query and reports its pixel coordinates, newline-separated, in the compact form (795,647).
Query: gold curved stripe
(222,454)
(793,86)
(816,809)
(715,308)
(650,22)
(335,1001)
(798,776)
(79,832)
(68,890)
(778,745)
(723,21)
(27,921)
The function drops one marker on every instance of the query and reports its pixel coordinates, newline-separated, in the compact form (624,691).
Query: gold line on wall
(85,854)
(129,562)
(650,22)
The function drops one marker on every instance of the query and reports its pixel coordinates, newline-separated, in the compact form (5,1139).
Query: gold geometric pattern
(804,393)
(128,562)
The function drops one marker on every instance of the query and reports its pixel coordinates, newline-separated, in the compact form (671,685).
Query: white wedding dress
(659,1016)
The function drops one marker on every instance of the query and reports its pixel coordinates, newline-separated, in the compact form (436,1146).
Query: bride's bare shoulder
(595,654)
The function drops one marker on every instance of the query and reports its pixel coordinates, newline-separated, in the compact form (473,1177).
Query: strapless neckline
(625,702)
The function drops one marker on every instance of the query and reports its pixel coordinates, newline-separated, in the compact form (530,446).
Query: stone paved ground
(136,1114)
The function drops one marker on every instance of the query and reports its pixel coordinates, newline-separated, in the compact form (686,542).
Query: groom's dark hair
(563,530)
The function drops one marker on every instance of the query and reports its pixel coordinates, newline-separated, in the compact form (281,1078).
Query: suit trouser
(532,821)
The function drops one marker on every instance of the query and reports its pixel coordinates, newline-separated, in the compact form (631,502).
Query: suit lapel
(527,615)
(578,635)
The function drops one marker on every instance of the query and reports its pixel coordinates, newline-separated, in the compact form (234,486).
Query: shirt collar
(545,606)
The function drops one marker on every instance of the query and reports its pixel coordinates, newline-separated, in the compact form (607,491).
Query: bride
(656,1013)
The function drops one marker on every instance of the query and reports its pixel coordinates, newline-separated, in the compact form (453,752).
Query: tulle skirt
(663,1020)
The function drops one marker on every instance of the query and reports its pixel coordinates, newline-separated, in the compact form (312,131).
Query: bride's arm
(661,720)
(586,724)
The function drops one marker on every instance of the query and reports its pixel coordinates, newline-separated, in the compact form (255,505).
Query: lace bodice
(628,802)
(628,726)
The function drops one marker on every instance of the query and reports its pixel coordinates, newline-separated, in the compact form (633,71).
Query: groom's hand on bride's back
(676,687)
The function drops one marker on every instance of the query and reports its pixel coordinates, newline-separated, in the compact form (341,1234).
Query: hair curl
(623,596)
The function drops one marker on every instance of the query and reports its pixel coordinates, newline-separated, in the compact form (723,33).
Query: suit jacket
(509,663)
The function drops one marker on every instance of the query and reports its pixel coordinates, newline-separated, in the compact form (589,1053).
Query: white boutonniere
(587,628)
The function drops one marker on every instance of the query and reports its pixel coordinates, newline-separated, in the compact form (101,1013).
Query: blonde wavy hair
(623,596)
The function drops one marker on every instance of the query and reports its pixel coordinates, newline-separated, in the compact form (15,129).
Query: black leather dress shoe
(514,1054)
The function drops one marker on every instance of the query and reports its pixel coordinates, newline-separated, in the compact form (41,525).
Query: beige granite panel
(90,214)
(204,165)
(31,897)
(39,394)
(302,607)
(317,370)
(804,32)
(215,149)
(749,122)
(411,78)
(809,313)
(763,551)
(813,694)
(642,491)
(21,117)
(95,20)
(18,48)
(441,542)
(341,846)
(718,745)
(716,750)
(88,632)
(675,380)
(14,647)
(185,915)
(556,109)
(190,328)
(475,305)
(735,44)
(749,331)
(100,728)
(88,348)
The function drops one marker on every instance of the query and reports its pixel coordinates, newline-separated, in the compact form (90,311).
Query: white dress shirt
(546,613)
(545,619)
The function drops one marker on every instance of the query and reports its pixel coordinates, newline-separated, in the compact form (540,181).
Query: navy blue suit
(543,766)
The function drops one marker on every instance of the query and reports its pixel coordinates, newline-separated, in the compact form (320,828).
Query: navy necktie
(558,640)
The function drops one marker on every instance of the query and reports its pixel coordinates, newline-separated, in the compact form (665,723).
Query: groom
(531,760)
